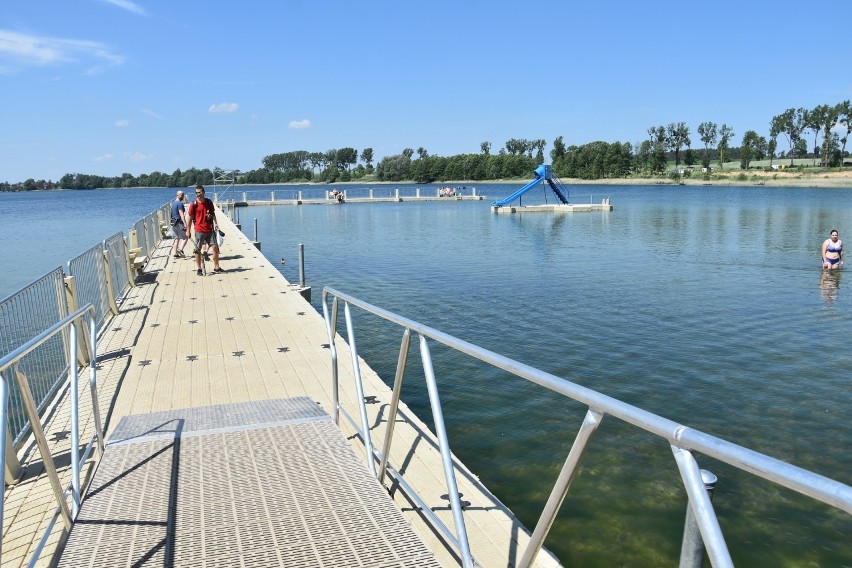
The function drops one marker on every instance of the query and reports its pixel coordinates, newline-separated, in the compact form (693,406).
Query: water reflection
(829,283)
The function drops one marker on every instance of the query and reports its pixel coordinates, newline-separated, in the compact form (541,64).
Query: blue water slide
(542,173)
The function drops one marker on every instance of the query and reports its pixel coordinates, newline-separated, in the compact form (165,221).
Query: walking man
(179,225)
(203,215)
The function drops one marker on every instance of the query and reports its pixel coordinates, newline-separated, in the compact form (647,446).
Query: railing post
(359,390)
(394,404)
(331,328)
(133,237)
(272,196)
(73,306)
(702,508)
(12,470)
(301,265)
(692,548)
(256,242)
(113,307)
(128,262)
(75,428)
(446,456)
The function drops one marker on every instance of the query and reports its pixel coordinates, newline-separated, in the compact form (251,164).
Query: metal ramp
(266,483)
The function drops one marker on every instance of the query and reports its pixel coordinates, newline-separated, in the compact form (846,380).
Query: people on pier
(832,251)
(337,195)
(202,214)
(178,222)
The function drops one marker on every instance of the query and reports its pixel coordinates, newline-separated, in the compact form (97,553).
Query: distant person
(179,224)
(832,251)
(202,214)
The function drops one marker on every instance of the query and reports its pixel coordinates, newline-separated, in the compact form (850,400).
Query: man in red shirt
(203,215)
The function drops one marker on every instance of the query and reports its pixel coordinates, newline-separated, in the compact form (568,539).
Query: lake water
(706,305)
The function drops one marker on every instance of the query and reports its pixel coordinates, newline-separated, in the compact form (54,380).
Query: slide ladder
(543,173)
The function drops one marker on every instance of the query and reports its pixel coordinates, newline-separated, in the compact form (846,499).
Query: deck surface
(183,341)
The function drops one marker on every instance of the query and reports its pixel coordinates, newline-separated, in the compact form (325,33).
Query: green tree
(747,149)
(657,136)
(793,123)
(844,120)
(814,119)
(367,157)
(677,136)
(394,168)
(558,151)
(725,135)
(485,148)
(830,120)
(345,158)
(709,134)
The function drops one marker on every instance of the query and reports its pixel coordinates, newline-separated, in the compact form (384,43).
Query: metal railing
(89,271)
(23,315)
(682,439)
(11,364)
(100,276)
(115,250)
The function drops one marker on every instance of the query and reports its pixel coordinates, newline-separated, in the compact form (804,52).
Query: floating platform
(557,208)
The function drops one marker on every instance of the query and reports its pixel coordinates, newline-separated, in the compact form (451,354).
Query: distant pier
(369,195)
(604,205)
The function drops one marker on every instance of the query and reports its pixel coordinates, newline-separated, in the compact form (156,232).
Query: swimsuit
(832,261)
(831,248)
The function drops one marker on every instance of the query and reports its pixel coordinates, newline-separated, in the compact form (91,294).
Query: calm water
(705,305)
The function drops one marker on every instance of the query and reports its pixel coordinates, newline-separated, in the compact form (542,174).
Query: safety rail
(682,439)
(115,251)
(12,361)
(24,314)
(102,275)
(89,270)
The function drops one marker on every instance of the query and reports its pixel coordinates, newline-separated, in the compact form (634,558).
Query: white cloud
(224,107)
(137,156)
(104,158)
(18,51)
(151,113)
(128,5)
(122,123)
(304,123)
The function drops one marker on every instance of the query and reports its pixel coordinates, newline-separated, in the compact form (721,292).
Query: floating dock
(216,397)
(556,208)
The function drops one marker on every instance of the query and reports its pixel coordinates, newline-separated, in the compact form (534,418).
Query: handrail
(683,439)
(12,360)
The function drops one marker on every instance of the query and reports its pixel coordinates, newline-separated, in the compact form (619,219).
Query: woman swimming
(832,251)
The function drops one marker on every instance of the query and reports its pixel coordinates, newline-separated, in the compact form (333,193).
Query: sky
(106,87)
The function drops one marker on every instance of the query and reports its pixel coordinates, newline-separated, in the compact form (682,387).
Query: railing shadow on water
(702,529)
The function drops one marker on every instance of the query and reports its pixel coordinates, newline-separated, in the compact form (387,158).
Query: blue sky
(113,86)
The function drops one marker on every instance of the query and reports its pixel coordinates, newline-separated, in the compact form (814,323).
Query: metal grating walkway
(267,483)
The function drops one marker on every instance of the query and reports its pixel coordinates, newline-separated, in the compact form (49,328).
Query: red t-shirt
(198,212)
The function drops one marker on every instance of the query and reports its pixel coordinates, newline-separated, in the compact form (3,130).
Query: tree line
(518,157)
